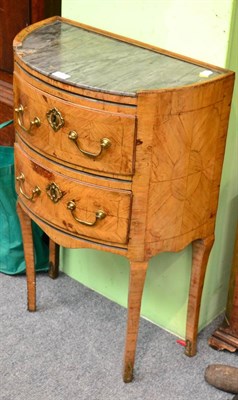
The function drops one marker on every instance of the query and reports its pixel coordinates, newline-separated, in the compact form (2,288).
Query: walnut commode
(119,147)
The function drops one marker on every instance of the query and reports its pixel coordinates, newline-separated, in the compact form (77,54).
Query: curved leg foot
(136,285)
(27,237)
(201,251)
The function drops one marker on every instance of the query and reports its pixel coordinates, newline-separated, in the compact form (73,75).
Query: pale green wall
(200,29)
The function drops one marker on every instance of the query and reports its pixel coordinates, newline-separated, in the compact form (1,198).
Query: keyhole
(54,120)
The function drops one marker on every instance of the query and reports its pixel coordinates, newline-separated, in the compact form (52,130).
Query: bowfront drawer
(87,210)
(72,133)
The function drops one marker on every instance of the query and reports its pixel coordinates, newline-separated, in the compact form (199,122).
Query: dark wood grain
(40,9)
(225,337)
(14,16)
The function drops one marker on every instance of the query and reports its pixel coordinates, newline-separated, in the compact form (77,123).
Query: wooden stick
(26,229)
(201,251)
(53,259)
(136,285)
(223,377)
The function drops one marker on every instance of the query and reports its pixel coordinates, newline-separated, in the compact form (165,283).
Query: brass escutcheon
(55,119)
(54,192)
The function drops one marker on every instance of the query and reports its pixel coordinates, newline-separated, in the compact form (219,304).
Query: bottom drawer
(72,205)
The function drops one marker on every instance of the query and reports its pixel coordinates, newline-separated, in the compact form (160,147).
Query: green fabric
(4,124)
(11,247)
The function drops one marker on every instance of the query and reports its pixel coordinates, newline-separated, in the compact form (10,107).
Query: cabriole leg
(28,246)
(201,251)
(136,285)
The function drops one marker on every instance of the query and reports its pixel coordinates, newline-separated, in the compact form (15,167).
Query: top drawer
(75,134)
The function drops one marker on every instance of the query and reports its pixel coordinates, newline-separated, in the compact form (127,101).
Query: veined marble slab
(86,59)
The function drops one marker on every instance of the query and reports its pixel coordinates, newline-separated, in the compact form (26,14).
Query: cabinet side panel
(227,89)
(189,138)
(146,112)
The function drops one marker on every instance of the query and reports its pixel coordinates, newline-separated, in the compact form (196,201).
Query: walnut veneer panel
(166,118)
(88,199)
(90,124)
(186,164)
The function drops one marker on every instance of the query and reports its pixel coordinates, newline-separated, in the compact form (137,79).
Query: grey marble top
(86,59)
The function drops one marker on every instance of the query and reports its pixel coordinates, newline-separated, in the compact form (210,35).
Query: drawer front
(82,209)
(74,134)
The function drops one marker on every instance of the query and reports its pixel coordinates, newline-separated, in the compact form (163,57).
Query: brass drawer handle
(98,215)
(35,192)
(105,143)
(36,121)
